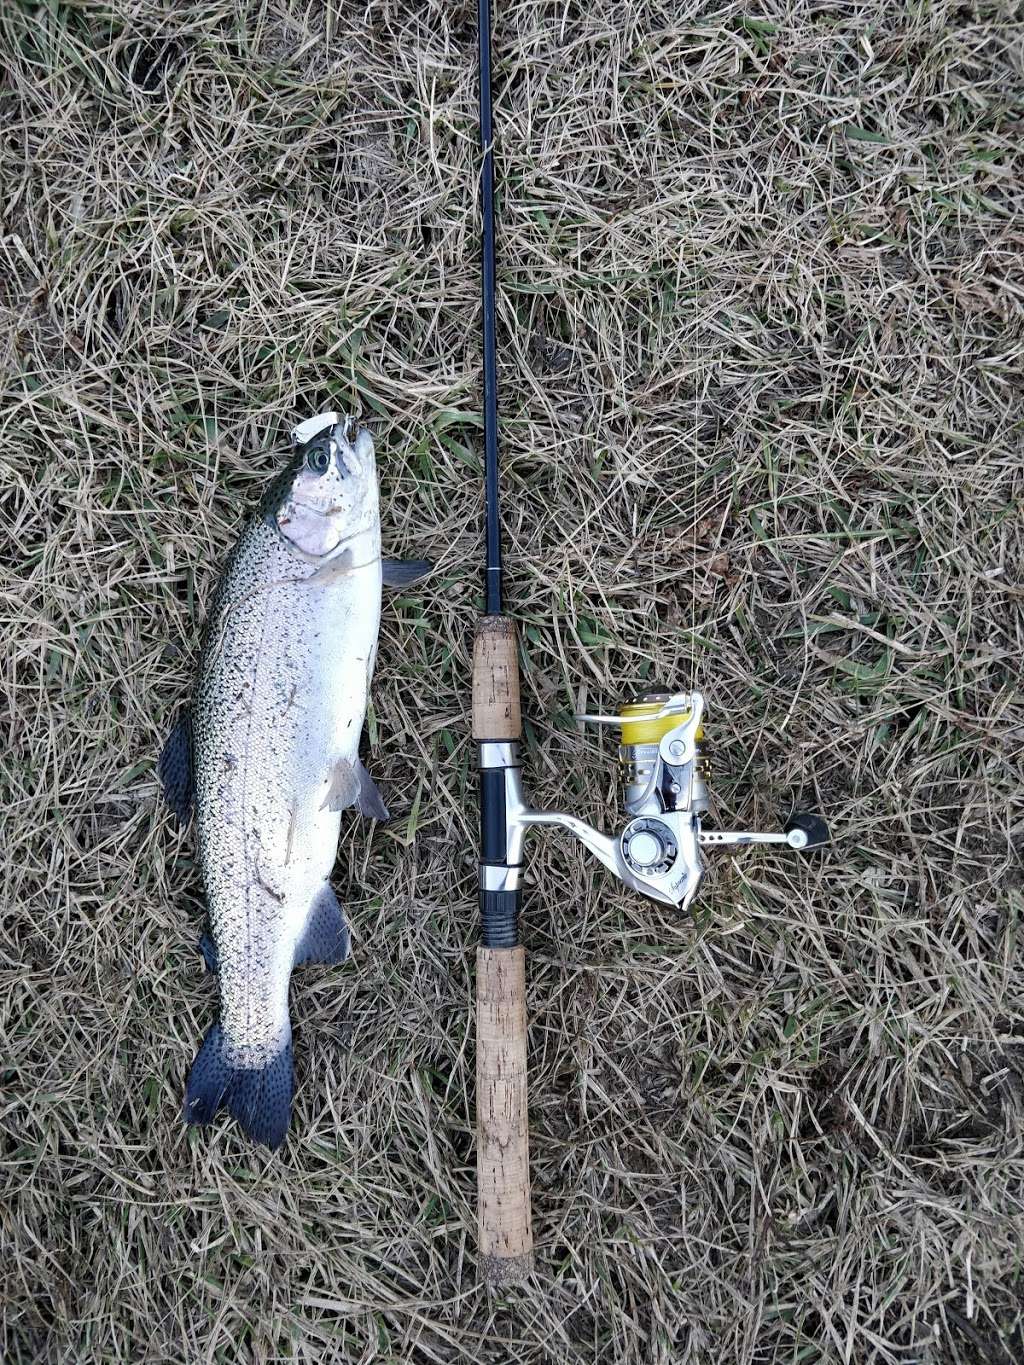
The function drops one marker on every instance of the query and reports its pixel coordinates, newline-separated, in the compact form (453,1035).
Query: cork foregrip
(503,1153)
(495,680)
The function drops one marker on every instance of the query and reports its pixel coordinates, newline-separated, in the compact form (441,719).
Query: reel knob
(813,827)
(649,847)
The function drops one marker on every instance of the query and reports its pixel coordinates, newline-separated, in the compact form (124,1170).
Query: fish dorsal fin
(174,768)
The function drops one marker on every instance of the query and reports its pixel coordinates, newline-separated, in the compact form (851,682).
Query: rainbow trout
(268,757)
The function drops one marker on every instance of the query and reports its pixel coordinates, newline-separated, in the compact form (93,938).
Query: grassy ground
(762,366)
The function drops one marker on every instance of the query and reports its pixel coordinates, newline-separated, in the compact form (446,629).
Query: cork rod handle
(503,1158)
(503,1148)
(495,680)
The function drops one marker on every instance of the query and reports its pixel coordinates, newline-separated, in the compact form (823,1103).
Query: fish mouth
(323,512)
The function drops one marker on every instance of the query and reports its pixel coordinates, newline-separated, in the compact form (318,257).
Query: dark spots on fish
(271,891)
(256,696)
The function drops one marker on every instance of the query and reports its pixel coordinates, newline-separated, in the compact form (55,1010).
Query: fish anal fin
(325,937)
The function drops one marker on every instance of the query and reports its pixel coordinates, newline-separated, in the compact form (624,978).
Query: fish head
(328,494)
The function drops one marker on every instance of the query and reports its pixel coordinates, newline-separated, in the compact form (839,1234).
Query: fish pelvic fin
(325,937)
(370,801)
(260,1098)
(352,785)
(343,790)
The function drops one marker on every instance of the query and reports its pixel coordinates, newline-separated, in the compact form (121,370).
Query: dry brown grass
(762,362)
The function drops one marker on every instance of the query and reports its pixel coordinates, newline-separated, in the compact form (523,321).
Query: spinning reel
(664,772)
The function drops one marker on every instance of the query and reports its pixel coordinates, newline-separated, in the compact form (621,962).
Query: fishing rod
(503,1163)
(658,852)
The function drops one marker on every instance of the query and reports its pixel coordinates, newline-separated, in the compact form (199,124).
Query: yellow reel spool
(642,722)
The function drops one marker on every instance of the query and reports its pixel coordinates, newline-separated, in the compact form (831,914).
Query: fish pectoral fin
(174,768)
(325,937)
(338,567)
(399,573)
(344,787)
(371,803)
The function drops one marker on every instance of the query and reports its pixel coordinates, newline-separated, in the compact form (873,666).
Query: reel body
(664,772)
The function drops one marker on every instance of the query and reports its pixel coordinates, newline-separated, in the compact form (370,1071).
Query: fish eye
(318,458)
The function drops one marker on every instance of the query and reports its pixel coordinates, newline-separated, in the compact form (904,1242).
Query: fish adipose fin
(352,785)
(259,1098)
(325,937)
(174,768)
(399,573)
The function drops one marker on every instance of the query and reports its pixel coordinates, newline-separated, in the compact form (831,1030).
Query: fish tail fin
(260,1098)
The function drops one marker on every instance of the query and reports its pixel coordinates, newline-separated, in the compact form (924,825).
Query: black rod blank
(493,577)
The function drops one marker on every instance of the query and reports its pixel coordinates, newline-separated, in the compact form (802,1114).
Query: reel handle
(503,1154)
